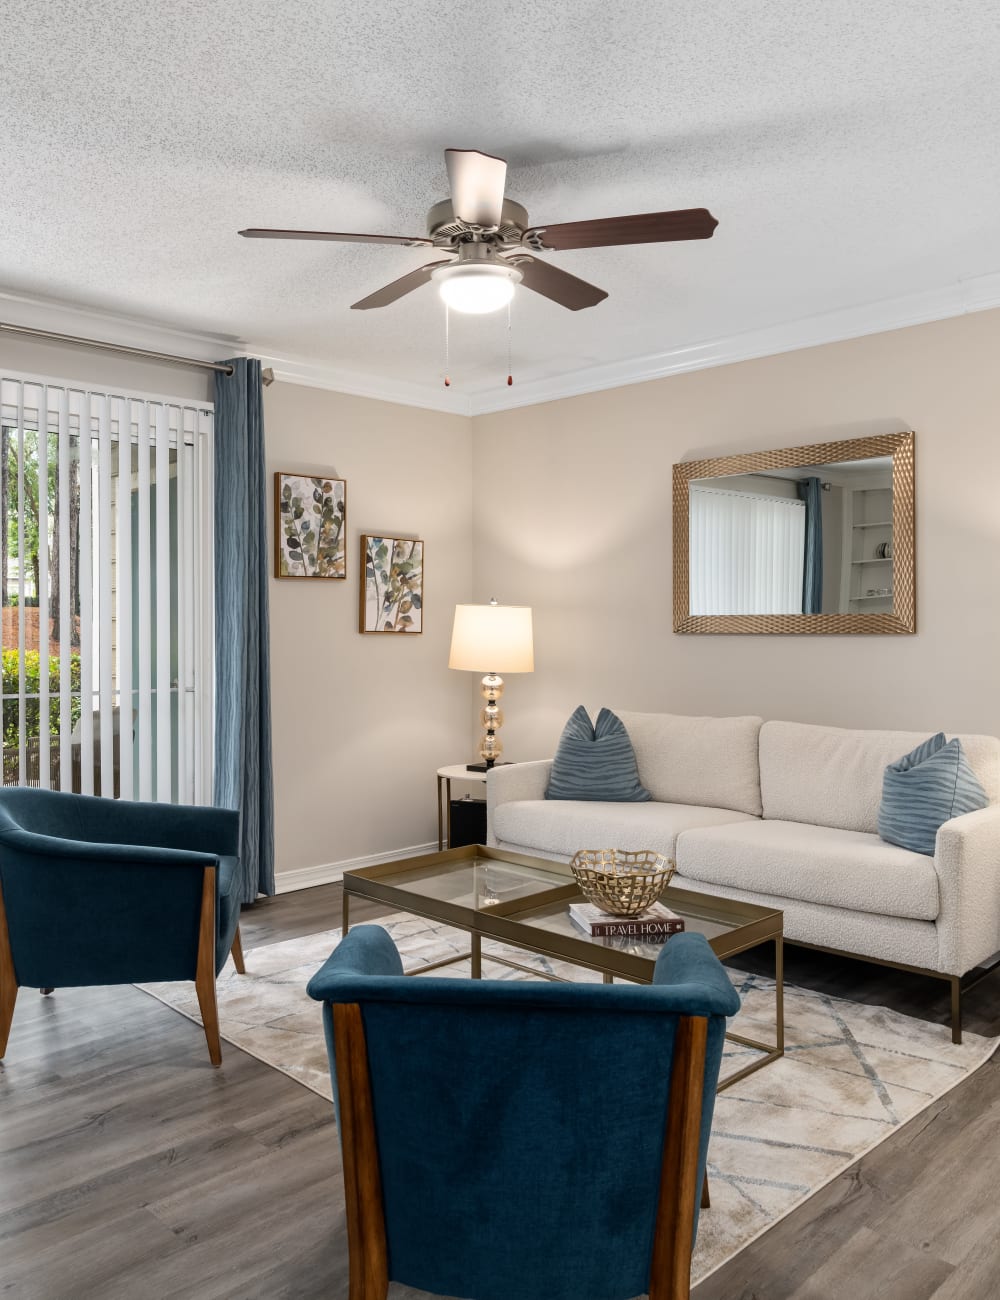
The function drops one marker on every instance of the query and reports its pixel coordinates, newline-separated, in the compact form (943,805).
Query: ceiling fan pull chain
(447,343)
(510,373)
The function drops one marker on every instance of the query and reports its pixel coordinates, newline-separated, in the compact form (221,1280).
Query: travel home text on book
(656,922)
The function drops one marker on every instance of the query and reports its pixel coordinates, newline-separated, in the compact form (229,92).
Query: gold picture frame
(310,526)
(903,618)
(391,587)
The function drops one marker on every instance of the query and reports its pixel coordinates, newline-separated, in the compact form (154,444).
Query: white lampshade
(492,639)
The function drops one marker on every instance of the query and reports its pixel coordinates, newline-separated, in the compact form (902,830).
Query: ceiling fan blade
(410,241)
(644,228)
(399,288)
(551,282)
(477,183)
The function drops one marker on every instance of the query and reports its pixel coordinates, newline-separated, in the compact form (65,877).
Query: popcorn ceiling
(847,149)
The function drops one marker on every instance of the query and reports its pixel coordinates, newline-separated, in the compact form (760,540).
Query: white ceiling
(848,149)
(837,467)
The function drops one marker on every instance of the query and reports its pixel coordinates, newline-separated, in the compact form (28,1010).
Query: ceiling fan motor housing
(445,229)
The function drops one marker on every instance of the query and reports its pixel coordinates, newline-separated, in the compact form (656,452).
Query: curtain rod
(116,347)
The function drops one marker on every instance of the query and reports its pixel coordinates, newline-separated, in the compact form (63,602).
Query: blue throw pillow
(924,789)
(596,762)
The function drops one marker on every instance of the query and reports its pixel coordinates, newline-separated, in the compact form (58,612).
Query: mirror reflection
(811,539)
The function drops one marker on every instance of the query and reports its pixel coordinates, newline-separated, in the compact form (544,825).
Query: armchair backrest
(521,1127)
(89,902)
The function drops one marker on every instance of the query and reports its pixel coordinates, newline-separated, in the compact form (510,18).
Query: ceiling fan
(490,244)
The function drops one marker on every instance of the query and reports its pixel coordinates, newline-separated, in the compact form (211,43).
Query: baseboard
(327,873)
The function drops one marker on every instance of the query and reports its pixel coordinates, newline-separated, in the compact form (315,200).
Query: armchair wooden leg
(8,996)
(45,992)
(366,1241)
(8,981)
(670,1266)
(706,1200)
(210,1017)
(237,951)
(204,980)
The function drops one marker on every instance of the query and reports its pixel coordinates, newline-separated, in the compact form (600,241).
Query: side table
(445,776)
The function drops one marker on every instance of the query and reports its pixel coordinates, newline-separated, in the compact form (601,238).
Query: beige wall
(576,522)
(362,722)
(581,530)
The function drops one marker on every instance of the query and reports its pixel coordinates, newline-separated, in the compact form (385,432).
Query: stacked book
(653,925)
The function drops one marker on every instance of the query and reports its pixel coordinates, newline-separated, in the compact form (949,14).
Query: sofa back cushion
(832,776)
(709,762)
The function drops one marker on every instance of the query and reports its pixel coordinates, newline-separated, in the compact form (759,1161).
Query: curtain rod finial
(267,376)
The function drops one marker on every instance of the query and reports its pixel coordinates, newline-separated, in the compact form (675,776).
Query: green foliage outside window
(32,674)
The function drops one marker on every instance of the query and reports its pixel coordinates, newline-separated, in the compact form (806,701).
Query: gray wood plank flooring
(130,1169)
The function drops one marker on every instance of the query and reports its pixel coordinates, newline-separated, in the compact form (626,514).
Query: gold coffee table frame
(538,921)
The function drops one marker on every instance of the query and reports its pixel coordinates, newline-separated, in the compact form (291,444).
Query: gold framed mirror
(816,539)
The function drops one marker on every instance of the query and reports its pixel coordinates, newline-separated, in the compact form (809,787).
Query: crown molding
(978,293)
(140,332)
(115,327)
(317,374)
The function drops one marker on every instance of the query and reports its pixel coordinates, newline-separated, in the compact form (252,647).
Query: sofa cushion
(886,938)
(595,761)
(831,776)
(924,789)
(815,864)
(711,762)
(559,829)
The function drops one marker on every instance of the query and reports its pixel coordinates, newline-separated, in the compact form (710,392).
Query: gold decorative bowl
(621,881)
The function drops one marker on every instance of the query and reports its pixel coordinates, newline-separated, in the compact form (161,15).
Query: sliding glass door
(106,573)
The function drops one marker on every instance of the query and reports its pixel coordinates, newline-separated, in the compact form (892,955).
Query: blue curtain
(812,575)
(243,777)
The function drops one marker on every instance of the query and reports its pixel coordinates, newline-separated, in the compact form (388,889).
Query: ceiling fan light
(477,288)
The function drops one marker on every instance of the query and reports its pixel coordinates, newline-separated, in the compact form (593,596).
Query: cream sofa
(786,814)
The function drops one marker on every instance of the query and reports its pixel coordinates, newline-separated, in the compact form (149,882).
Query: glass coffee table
(523,902)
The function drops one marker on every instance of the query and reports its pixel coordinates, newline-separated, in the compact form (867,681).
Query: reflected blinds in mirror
(747,552)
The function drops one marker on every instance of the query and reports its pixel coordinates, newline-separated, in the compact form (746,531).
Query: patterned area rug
(851,1073)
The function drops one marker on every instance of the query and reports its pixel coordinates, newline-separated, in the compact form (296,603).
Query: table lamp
(491,639)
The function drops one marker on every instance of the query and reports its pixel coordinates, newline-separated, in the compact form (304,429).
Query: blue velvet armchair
(101,891)
(506,1139)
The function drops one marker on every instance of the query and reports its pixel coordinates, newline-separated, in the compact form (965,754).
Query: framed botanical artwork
(310,535)
(392,584)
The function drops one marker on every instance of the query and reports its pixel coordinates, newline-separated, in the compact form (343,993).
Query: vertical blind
(107,592)
(747,552)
